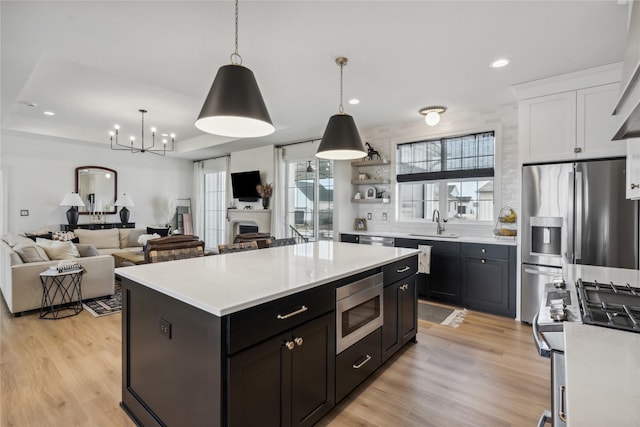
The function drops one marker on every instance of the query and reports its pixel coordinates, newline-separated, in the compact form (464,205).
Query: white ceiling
(95,63)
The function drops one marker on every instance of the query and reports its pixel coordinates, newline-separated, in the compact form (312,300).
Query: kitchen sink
(439,236)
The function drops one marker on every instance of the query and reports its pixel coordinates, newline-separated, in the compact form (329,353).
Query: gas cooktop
(609,305)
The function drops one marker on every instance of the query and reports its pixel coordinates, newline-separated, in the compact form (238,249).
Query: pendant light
(341,140)
(309,167)
(432,114)
(234,106)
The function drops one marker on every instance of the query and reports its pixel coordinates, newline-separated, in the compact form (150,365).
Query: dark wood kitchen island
(249,338)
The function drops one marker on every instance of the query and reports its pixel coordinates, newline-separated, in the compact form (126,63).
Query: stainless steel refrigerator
(574,213)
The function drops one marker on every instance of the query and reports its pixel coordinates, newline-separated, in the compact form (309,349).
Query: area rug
(442,315)
(105,306)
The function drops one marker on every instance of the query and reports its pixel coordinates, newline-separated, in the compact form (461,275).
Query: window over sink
(452,174)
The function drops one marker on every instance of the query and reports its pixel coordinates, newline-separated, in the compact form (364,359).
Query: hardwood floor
(484,373)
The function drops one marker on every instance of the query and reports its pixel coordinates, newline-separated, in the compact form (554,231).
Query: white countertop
(224,284)
(603,364)
(603,376)
(446,237)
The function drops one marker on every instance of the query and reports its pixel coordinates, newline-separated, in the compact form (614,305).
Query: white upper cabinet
(633,168)
(596,124)
(569,117)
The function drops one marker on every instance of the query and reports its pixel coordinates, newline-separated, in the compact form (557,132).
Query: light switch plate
(24,212)
(369,216)
(384,216)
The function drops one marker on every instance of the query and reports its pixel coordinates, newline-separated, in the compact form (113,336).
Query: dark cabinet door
(285,381)
(349,238)
(391,340)
(486,285)
(313,371)
(408,315)
(400,315)
(255,396)
(444,282)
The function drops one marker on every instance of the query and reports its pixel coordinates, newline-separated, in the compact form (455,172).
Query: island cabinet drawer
(478,250)
(357,362)
(255,324)
(398,270)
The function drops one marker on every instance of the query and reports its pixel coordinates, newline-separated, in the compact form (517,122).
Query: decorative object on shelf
(357,196)
(432,114)
(371,153)
(361,224)
(265,191)
(506,223)
(124,201)
(73,200)
(363,176)
(370,193)
(341,140)
(234,106)
(142,148)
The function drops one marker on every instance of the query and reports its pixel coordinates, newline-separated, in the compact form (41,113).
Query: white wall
(503,119)
(262,159)
(38,171)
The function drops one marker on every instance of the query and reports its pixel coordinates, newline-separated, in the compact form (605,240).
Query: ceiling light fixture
(341,140)
(309,167)
(234,106)
(432,114)
(49,113)
(141,148)
(354,101)
(498,63)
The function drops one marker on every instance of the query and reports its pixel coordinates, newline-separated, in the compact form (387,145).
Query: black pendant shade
(234,106)
(341,140)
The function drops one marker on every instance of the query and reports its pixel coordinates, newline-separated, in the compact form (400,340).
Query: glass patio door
(309,204)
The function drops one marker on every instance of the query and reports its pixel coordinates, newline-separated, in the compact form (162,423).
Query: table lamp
(124,201)
(73,200)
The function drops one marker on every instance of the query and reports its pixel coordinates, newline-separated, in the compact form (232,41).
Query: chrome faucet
(436,218)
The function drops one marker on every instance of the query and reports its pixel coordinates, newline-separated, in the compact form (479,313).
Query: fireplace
(258,219)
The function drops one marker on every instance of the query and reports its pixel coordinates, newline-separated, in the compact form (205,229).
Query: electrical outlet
(369,216)
(165,328)
(24,212)
(384,216)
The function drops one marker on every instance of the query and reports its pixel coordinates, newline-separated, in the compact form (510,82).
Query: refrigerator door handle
(570,229)
(578,217)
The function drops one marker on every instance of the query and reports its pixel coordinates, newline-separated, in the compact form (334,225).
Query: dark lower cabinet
(489,281)
(400,315)
(444,281)
(349,238)
(356,363)
(285,381)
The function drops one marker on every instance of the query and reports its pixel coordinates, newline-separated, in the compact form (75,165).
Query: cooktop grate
(609,305)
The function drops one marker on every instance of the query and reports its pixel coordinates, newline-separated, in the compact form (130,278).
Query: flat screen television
(243,185)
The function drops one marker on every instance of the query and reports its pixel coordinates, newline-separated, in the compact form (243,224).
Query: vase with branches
(265,191)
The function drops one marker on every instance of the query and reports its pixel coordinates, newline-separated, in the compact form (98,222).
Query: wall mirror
(97,187)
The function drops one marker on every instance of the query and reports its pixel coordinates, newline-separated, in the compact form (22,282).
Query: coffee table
(132,257)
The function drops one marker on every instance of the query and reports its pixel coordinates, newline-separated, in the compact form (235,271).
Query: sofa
(112,240)
(20,282)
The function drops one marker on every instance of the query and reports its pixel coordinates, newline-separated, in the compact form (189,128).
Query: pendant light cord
(236,59)
(341,108)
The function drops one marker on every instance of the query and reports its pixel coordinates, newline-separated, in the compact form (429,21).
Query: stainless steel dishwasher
(377,241)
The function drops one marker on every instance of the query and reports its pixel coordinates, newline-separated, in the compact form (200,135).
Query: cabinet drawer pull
(361,364)
(293,313)
(402,270)
(404,287)
(562,413)
(290,345)
(483,250)
(298,341)
(484,261)
(634,186)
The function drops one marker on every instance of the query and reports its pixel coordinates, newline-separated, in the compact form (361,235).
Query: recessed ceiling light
(49,113)
(498,63)
(354,101)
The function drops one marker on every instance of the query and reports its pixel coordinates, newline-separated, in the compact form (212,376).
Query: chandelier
(168,141)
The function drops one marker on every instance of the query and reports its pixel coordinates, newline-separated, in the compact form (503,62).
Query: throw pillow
(16,239)
(65,236)
(58,250)
(39,234)
(163,232)
(31,253)
(101,239)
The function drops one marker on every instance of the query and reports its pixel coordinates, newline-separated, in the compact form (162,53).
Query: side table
(59,290)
